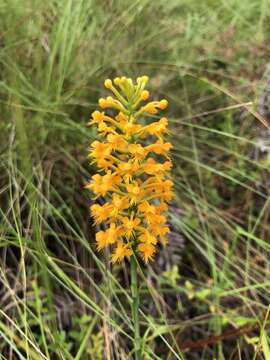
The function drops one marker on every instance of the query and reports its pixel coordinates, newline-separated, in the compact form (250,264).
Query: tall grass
(59,299)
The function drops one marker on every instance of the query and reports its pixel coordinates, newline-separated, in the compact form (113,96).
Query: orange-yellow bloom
(100,213)
(127,169)
(147,251)
(147,237)
(104,129)
(130,225)
(100,185)
(152,107)
(113,232)
(156,128)
(146,208)
(138,151)
(118,204)
(133,174)
(97,117)
(134,192)
(116,142)
(121,251)
(99,150)
(159,148)
(102,240)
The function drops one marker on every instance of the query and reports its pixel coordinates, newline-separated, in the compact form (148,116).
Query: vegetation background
(206,296)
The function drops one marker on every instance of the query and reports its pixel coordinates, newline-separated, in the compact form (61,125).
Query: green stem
(135,308)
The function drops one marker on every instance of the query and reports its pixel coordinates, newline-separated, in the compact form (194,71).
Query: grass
(59,298)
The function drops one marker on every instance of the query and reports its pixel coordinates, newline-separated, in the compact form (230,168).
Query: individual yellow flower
(146,208)
(121,119)
(156,128)
(161,231)
(101,213)
(138,151)
(97,117)
(100,185)
(166,166)
(134,192)
(147,251)
(116,142)
(99,150)
(166,196)
(110,102)
(151,167)
(102,240)
(153,107)
(130,129)
(118,204)
(104,129)
(156,220)
(159,148)
(121,250)
(160,185)
(161,207)
(127,169)
(147,237)
(133,171)
(108,237)
(130,225)
(105,164)
(113,233)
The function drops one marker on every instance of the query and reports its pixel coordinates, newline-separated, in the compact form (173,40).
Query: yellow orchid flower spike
(134,166)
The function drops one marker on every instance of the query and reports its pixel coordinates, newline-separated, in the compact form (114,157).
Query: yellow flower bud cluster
(134,166)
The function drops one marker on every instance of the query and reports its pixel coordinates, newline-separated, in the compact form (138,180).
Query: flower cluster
(133,176)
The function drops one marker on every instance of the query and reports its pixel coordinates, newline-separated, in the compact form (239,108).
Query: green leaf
(265,346)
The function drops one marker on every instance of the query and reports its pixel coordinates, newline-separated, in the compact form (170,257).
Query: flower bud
(117,81)
(108,83)
(163,104)
(144,95)
(103,103)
